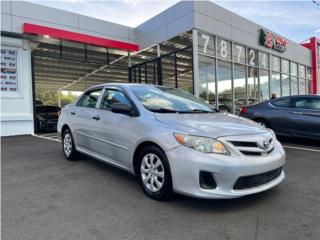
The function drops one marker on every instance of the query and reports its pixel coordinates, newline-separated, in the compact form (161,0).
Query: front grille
(257,179)
(244,144)
(253,148)
(52,124)
(251,153)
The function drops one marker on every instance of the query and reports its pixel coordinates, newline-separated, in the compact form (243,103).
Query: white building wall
(17,108)
(15,13)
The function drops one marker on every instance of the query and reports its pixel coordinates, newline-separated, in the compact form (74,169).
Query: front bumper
(186,165)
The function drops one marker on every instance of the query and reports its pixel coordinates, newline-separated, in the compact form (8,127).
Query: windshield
(47,109)
(170,100)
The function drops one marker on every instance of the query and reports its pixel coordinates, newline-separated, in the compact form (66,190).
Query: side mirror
(122,109)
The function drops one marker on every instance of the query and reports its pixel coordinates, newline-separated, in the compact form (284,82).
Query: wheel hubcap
(67,144)
(152,172)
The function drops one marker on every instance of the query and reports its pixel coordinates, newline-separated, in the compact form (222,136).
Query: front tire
(154,174)
(68,147)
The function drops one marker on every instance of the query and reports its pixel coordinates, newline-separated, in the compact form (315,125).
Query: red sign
(270,40)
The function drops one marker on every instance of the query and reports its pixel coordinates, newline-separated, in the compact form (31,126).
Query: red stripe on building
(313,44)
(78,37)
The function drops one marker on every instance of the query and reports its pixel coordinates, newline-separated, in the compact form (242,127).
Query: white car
(172,141)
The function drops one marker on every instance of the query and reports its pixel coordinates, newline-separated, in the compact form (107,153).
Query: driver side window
(90,98)
(113,96)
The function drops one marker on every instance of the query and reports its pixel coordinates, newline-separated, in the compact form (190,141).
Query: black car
(39,102)
(47,117)
(297,116)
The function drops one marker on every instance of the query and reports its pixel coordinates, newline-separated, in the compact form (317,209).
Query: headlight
(201,144)
(273,134)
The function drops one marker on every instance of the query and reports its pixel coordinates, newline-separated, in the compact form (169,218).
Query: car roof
(124,85)
(295,96)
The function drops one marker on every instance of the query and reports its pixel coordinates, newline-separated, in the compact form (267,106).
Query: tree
(49,97)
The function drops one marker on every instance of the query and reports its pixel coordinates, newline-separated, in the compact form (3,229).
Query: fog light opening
(206,180)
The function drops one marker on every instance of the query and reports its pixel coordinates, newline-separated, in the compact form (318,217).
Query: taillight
(244,109)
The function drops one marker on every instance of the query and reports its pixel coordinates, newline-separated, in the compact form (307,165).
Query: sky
(295,20)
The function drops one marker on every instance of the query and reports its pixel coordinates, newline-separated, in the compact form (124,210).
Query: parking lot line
(302,148)
(49,134)
(48,138)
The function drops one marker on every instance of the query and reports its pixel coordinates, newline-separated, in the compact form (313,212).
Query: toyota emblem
(266,143)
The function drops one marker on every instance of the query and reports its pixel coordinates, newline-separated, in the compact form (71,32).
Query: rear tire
(68,147)
(154,173)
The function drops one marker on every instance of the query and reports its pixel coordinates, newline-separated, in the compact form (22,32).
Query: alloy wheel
(152,172)
(67,144)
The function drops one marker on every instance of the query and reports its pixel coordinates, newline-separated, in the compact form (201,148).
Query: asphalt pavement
(46,197)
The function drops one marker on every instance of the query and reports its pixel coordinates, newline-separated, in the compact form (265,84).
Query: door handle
(72,113)
(300,113)
(96,118)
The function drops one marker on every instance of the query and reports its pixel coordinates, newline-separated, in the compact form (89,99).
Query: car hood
(211,125)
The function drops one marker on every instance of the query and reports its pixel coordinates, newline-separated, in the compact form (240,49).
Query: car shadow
(181,201)
(226,205)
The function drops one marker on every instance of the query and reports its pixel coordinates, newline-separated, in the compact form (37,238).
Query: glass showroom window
(252,85)
(294,85)
(239,54)
(224,73)
(294,79)
(207,81)
(309,81)
(224,85)
(252,57)
(239,83)
(275,80)
(285,80)
(224,49)
(302,80)
(206,44)
(264,60)
(264,85)
(302,86)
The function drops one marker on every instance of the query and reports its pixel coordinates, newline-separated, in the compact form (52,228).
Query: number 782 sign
(270,40)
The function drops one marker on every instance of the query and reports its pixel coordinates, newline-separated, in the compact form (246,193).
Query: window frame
(79,102)
(125,93)
(282,99)
(304,98)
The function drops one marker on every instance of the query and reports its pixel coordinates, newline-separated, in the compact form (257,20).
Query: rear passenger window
(90,99)
(315,104)
(282,103)
(308,103)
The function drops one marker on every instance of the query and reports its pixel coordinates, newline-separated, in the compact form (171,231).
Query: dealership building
(196,46)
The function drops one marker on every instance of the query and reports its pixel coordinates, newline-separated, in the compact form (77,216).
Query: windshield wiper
(163,110)
(197,111)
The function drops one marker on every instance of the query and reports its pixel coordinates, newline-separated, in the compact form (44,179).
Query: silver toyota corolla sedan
(172,141)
